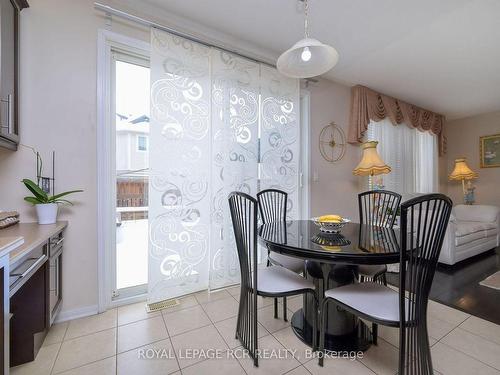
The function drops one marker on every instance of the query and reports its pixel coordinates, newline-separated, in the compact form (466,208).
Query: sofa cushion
(462,240)
(467,227)
(492,232)
(480,213)
(468,231)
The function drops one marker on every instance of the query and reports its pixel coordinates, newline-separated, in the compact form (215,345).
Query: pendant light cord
(306,23)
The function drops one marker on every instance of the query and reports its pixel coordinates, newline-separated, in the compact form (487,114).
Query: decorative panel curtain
(368,105)
(280,148)
(219,123)
(179,160)
(410,153)
(235,154)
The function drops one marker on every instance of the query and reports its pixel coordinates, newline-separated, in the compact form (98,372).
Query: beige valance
(367,105)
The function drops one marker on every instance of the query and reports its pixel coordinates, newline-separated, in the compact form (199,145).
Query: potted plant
(46,205)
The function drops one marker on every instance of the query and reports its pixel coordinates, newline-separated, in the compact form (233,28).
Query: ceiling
(443,55)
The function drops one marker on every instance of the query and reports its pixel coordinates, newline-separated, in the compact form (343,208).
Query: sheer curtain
(410,153)
(235,147)
(219,123)
(279,146)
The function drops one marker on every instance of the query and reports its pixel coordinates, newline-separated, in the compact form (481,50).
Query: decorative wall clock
(332,143)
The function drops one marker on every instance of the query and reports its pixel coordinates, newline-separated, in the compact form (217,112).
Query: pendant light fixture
(308,57)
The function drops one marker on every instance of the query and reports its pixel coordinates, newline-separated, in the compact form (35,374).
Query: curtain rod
(119,13)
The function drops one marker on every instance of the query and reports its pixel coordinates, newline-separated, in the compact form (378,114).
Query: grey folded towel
(8,218)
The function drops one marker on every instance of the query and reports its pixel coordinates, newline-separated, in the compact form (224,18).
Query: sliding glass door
(130,114)
(216,123)
(220,123)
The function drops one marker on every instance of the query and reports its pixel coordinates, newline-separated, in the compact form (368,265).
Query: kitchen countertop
(7,244)
(33,234)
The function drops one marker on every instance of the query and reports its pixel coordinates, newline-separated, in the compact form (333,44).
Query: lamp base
(469,193)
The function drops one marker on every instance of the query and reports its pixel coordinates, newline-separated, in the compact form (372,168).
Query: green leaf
(62,201)
(57,196)
(36,190)
(32,200)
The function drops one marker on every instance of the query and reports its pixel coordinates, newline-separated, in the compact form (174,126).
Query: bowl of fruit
(330,223)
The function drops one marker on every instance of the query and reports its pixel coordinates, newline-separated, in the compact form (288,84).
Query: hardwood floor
(458,286)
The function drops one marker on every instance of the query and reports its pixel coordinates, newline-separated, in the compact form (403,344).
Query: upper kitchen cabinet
(9,71)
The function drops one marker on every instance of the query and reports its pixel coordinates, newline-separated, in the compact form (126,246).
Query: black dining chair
(377,208)
(423,225)
(273,281)
(272,207)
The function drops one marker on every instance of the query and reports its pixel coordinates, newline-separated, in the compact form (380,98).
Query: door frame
(305,152)
(107,42)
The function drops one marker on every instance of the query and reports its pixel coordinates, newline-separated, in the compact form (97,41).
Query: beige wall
(58,112)
(336,188)
(463,140)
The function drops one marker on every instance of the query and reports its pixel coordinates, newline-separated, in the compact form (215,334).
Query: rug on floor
(492,281)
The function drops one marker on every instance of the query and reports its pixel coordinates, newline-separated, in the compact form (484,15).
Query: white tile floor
(112,343)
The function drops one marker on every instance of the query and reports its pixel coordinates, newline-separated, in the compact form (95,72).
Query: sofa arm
(447,255)
(498,226)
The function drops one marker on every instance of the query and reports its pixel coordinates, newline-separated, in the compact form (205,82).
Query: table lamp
(371,163)
(463,172)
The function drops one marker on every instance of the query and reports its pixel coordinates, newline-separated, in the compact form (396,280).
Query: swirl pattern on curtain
(179,210)
(235,145)
(279,146)
(219,123)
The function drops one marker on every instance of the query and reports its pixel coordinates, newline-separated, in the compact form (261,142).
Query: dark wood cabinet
(4,314)
(29,304)
(9,71)
(30,288)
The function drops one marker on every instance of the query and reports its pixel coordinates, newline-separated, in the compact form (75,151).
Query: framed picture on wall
(489,148)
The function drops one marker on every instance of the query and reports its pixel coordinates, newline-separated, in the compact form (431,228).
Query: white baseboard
(82,312)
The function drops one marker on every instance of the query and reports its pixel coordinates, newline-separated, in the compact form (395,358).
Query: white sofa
(472,230)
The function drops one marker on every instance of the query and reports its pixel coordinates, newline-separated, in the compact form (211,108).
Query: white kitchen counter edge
(32,243)
(12,244)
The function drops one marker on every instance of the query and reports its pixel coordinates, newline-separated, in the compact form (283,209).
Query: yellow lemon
(331,248)
(330,219)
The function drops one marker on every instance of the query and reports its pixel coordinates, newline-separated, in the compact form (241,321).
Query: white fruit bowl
(330,227)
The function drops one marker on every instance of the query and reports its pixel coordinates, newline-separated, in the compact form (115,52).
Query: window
(411,154)
(130,90)
(142,143)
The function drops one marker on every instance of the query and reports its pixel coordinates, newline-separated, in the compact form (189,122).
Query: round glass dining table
(331,260)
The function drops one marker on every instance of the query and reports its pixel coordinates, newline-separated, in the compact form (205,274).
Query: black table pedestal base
(359,340)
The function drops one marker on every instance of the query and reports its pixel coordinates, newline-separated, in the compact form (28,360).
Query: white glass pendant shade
(307,58)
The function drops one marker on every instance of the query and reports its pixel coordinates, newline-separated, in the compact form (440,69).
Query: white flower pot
(47,213)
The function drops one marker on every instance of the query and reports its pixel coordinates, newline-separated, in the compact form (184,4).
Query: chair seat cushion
(372,299)
(368,270)
(294,264)
(279,280)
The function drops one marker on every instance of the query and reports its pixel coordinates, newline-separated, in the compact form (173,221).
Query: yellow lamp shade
(462,171)
(371,163)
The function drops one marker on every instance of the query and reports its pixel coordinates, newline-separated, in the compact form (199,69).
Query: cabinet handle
(32,268)
(8,109)
(10,113)
(58,242)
